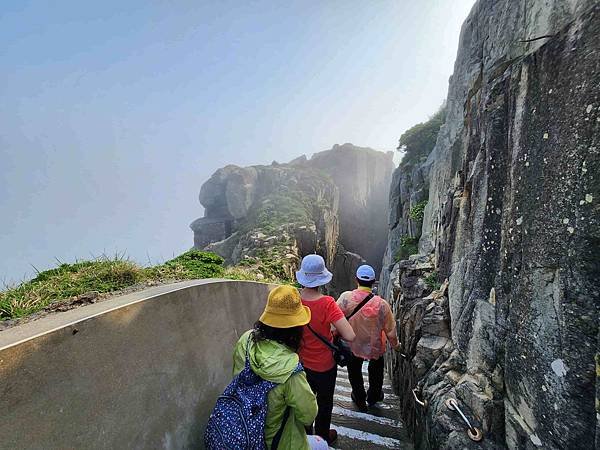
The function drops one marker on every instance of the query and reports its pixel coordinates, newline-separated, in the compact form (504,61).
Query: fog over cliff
(113,113)
(266,218)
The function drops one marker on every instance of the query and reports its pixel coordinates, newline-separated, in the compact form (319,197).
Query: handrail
(422,403)
(474,433)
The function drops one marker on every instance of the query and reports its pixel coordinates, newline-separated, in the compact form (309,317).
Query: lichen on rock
(509,225)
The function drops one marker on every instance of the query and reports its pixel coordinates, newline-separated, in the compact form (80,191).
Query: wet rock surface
(513,224)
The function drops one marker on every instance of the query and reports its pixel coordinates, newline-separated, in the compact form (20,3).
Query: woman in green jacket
(274,344)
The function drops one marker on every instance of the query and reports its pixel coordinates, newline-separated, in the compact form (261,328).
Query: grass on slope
(102,275)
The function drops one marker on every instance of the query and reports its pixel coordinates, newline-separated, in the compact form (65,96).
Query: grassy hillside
(91,279)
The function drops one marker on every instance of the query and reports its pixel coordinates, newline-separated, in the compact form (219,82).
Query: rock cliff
(500,309)
(265,218)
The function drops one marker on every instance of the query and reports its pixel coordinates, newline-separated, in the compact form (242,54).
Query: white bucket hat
(313,272)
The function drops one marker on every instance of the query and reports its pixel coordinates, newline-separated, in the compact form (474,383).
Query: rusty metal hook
(474,433)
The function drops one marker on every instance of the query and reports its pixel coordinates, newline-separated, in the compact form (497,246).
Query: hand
(397,347)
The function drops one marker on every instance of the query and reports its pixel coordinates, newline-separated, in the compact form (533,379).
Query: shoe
(362,406)
(332,437)
(371,402)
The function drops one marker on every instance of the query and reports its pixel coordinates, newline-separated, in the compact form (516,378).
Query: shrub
(418,141)
(189,265)
(417,211)
(408,246)
(432,282)
(278,209)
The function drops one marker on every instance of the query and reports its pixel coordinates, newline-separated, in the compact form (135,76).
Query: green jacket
(275,362)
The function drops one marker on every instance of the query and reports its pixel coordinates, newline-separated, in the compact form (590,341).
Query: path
(379,428)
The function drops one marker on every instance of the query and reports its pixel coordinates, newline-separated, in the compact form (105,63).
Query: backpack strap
(277,437)
(321,338)
(360,305)
(247,361)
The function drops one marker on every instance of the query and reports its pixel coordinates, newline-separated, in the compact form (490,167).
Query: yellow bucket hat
(285,309)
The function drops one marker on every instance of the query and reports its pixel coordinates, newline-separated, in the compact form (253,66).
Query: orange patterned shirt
(373,324)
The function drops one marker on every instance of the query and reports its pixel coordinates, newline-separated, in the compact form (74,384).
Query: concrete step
(376,429)
(381,426)
(344,386)
(352,439)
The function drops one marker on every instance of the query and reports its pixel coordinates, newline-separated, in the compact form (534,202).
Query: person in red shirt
(316,357)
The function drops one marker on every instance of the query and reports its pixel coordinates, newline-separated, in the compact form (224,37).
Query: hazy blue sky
(113,113)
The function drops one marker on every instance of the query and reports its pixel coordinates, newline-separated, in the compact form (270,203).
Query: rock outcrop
(363,177)
(513,224)
(265,218)
(410,189)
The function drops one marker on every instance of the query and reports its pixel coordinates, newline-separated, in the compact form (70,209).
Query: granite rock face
(513,225)
(363,178)
(410,187)
(333,203)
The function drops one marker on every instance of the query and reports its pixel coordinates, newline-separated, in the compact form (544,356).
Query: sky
(114,113)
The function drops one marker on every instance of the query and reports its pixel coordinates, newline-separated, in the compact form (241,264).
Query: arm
(338,320)
(389,327)
(300,397)
(345,330)
(341,302)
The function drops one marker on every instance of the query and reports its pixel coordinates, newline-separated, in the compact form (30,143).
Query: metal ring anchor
(474,433)
(422,403)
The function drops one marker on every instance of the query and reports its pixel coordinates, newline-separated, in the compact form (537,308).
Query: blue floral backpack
(238,420)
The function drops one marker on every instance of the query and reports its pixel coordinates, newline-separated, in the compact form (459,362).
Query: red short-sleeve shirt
(315,355)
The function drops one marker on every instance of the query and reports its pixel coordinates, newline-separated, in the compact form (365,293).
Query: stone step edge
(365,436)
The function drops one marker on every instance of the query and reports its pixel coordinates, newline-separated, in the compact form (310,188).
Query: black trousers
(355,376)
(323,385)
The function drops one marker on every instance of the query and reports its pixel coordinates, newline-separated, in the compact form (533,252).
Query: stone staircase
(379,428)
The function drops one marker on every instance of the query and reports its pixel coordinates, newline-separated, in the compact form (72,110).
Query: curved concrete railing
(140,371)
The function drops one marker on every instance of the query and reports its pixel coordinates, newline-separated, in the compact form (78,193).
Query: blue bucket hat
(365,273)
(313,272)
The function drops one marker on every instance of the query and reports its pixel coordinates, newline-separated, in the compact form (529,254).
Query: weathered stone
(344,278)
(240,191)
(363,177)
(208,230)
(510,225)
(333,204)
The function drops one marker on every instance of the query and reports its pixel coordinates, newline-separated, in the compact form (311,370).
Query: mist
(113,114)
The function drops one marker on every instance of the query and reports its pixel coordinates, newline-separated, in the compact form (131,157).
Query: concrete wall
(140,371)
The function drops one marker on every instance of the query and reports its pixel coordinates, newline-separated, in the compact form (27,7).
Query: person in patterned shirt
(374,326)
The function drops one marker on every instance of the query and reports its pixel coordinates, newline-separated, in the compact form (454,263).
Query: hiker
(268,352)
(374,324)
(316,357)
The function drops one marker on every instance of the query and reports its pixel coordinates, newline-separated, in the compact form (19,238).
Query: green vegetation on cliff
(417,212)
(104,275)
(82,282)
(189,265)
(417,142)
(408,246)
(432,282)
(279,209)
